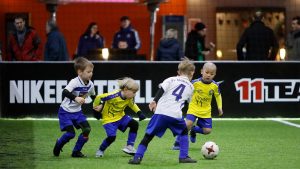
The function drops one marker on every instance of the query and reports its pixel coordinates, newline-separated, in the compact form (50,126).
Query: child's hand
(80,100)
(220,112)
(152,106)
(98,108)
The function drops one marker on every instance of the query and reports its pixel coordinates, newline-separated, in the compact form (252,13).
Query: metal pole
(152,33)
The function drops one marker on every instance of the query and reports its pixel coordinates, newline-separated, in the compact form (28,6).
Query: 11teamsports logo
(262,90)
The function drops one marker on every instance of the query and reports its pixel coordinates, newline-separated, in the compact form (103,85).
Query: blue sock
(65,138)
(80,142)
(198,129)
(184,146)
(140,151)
(131,138)
(104,145)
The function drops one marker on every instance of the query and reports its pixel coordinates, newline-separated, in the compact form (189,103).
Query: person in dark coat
(169,48)
(195,48)
(90,40)
(258,39)
(293,40)
(127,37)
(55,47)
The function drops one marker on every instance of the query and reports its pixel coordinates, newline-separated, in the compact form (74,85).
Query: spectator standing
(90,40)
(293,40)
(169,48)
(258,39)
(195,48)
(126,37)
(55,47)
(24,44)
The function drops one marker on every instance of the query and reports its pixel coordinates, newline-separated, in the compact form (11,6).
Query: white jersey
(177,90)
(78,88)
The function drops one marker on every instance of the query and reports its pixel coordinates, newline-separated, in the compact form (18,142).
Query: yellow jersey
(114,106)
(200,105)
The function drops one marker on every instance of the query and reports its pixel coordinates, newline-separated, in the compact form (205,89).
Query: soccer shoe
(99,153)
(176,146)
(129,149)
(193,136)
(135,160)
(187,160)
(57,149)
(78,154)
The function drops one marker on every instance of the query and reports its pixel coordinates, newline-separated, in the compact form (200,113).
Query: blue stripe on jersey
(109,97)
(82,89)
(217,85)
(80,81)
(196,80)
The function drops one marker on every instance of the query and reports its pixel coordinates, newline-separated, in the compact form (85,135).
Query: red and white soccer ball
(210,150)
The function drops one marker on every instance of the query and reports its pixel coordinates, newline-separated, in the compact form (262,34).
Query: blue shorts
(159,124)
(70,119)
(111,128)
(202,122)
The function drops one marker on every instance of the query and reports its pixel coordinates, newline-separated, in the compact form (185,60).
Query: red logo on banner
(268,90)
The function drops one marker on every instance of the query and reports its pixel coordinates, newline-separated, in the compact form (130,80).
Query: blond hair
(128,83)
(186,66)
(82,63)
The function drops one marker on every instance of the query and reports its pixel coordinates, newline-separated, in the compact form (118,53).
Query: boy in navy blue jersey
(70,113)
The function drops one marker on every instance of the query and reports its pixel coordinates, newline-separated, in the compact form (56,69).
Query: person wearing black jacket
(258,39)
(169,48)
(195,48)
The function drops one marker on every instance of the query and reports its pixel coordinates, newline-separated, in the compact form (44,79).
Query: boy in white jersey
(70,113)
(167,105)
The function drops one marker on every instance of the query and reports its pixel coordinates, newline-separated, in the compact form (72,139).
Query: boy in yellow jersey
(200,105)
(112,106)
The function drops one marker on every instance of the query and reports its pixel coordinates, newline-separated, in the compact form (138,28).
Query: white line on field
(147,119)
(287,123)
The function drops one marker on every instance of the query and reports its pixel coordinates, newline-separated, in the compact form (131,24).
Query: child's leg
(204,126)
(189,123)
(111,131)
(107,142)
(83,137)
(134,126)
(184,144)
(66,137)
(143,146)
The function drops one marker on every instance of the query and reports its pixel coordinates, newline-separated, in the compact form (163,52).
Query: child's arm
(71,96)
(137,110)
(159,93)
(68,94)
(219,102)
(98,106)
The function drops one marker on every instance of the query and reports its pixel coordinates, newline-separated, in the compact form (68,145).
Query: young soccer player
(70,113)
(167,105)
(112,106)
(200,106)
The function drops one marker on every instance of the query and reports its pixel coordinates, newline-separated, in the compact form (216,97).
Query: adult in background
(195,48)
(24,44)
(259,40)
(293,40)
(56,47)
(169,48)
(90,40)
(126,37)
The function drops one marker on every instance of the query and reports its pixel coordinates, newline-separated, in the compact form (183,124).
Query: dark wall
(249,89)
